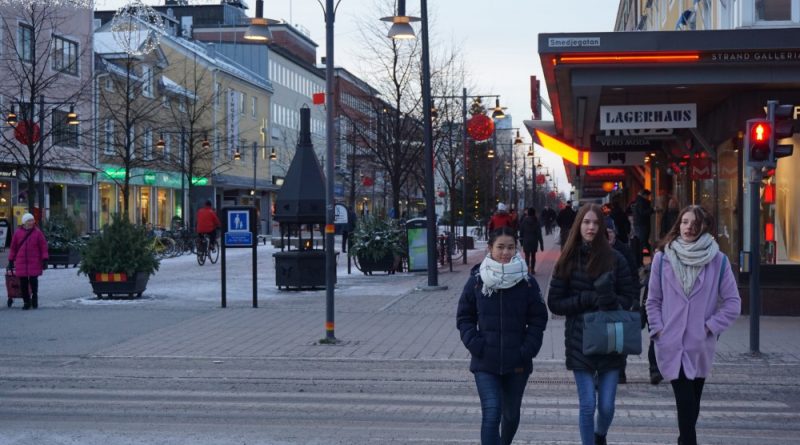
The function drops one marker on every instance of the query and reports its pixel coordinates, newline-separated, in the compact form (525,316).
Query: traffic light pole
(755,258)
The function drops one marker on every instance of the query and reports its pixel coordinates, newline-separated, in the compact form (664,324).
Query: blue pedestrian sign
(238,239)
(238,221)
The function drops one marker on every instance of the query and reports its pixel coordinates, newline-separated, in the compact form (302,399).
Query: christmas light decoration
(137,28)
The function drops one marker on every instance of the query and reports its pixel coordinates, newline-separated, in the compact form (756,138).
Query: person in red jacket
(501,218)
(208,223)
(27,257)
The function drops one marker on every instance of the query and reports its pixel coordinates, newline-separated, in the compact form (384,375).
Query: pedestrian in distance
(501,318)
(27,257)
(501,218)
(548,219)
(590,276)
(642,210)
(565,220)
(693,299)
(619,246)
(530,232)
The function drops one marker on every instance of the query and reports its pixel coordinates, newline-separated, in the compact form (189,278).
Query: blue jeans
(501,398)
(603,399)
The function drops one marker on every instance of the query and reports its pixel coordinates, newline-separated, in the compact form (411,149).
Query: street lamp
(32,136)
(402,30)
(258,30)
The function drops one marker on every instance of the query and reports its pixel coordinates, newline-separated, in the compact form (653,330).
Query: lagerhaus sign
(627,117)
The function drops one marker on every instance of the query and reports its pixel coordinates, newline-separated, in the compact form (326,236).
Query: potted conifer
(63,240)
(377,245)
(120,260)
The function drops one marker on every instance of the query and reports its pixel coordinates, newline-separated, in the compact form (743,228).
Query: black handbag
(612,332)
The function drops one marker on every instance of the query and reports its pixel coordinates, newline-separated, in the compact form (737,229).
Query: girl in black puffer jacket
(501,317)
(590,276)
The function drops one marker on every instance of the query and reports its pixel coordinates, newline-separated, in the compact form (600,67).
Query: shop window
(78,206)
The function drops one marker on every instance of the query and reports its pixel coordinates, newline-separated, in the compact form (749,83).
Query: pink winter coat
(28,256)
(713,304)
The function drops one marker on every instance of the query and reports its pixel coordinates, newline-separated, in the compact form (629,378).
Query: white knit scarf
(501,276)
(688,259)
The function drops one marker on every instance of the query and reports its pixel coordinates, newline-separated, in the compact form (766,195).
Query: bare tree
(393,67)
(129,117)
(43,82)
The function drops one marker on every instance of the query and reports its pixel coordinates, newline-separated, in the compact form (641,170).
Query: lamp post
(330,134)
(402,30)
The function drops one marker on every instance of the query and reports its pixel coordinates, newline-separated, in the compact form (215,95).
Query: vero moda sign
(629,117)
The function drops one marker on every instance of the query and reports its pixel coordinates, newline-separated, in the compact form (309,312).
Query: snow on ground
(184,282)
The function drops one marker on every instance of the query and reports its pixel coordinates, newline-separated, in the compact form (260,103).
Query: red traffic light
(760,132)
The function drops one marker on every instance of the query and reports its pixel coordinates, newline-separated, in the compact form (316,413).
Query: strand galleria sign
(628,117)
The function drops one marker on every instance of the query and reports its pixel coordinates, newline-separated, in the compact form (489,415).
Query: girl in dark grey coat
(501,317)
(590,276)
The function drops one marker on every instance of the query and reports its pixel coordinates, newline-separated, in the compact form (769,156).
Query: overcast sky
(498,38)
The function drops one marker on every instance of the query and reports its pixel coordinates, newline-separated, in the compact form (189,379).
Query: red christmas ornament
(441,194)
(23,128)
(367,181)
(480,127)
(540,179)
(552,194)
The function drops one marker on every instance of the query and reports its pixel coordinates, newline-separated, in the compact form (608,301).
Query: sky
(498,39)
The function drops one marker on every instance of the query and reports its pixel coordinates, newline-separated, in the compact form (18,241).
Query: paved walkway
(416,325)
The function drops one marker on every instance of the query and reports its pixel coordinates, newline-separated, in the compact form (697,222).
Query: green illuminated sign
(114,173)
(199,180)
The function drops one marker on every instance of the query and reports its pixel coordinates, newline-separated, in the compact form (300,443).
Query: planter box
(386,264)
(66,258)
(119,285)
(300,269)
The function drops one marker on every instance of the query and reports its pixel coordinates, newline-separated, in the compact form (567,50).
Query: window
(253,106)
(773,10)
(165,101)
(108,133)
(217,95)
(132,142)
(182,104)
(167,145)
(25,43)
(65,55)
(148,144)
(147,81)
(242,99)
(64,134)
(109,84)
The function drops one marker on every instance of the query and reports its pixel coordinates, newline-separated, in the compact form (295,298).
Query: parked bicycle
(207,249)
(448,248)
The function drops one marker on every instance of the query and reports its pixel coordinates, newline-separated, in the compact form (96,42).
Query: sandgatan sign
(629,117)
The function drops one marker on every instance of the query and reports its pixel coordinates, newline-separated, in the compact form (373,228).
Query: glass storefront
(6,200)
(106,206)
(163,214)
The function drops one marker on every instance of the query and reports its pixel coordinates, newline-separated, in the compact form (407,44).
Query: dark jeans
(501,399)
(530,258)
(345,236)
(25,292)
(651,358)
(687,400)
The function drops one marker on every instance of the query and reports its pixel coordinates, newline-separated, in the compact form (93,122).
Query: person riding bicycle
(208,223)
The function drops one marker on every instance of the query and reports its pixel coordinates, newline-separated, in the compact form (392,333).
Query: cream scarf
(501,276)
(688,259)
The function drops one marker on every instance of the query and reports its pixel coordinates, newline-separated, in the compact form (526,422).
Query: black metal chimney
(301,199)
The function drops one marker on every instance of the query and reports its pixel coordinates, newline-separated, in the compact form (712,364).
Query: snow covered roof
(173,87)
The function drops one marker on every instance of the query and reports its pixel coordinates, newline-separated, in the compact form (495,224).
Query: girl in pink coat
(27,256)
(693,298)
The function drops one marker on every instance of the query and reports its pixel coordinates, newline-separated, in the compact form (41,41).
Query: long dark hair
(601,258)
(502,231)
(703,223)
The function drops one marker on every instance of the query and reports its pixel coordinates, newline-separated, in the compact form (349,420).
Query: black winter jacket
(576,295)
(530,232)
(503,332)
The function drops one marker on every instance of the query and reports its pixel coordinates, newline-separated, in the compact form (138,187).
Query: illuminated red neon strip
(631,59)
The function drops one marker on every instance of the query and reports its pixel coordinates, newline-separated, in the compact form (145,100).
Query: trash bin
(417,235)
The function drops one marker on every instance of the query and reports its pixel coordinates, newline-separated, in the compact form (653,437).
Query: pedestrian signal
(759,132)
